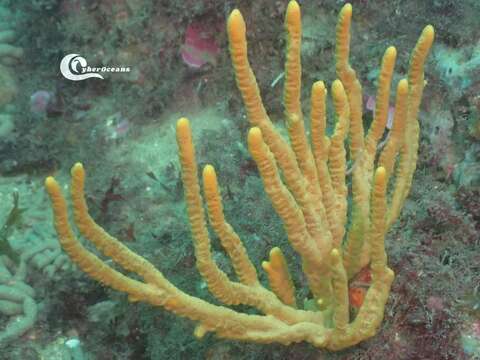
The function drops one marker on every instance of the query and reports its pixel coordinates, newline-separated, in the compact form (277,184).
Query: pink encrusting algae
(39,101)
(199,47)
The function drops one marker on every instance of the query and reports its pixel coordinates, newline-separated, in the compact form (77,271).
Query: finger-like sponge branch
(382,101)
(279,277)
(230,240)
(342,52)
(293,68)
(419,55)
(397,133)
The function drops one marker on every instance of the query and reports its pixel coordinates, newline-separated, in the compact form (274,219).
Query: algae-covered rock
(6,125)
(8,86)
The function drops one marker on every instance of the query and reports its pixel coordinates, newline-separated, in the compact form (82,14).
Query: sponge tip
(236,26)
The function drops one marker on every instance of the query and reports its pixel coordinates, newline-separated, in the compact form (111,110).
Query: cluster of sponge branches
(307,182)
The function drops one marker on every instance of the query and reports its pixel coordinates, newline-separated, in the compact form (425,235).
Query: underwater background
(170,60)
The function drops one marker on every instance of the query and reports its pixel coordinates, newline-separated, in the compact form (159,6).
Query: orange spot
(356,297)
